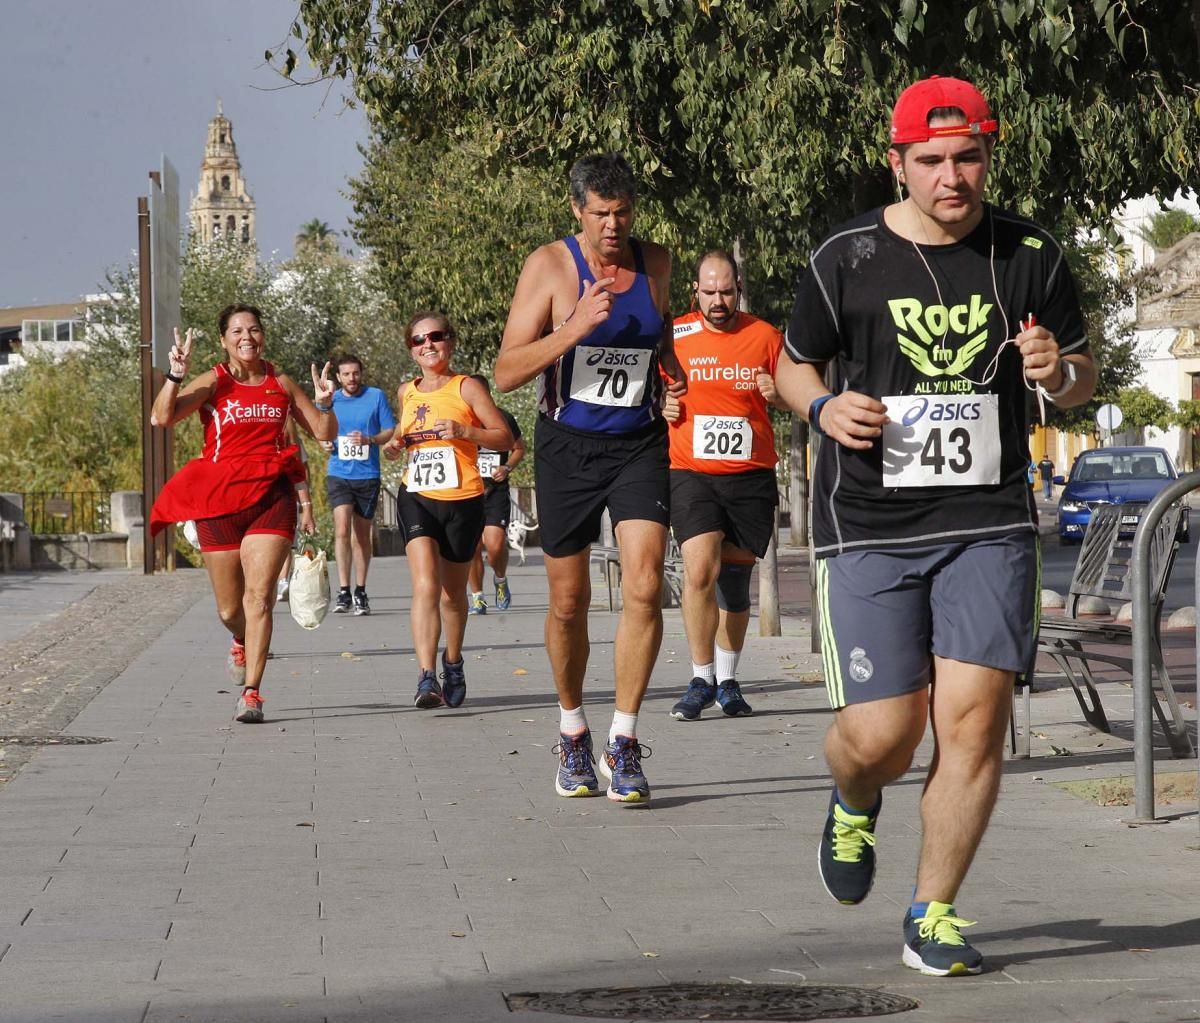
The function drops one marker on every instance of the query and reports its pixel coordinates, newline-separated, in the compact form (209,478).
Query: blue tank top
(609,382)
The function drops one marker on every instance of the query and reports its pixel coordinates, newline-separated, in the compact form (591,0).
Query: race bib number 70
(610,376)
(941,440)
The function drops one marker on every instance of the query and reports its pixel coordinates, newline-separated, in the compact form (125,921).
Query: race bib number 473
(941,440)
(610,376)
(431,469)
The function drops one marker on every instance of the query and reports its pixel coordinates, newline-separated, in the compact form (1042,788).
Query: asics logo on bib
(940,340)
(236,412)
(942,412)
(613,357)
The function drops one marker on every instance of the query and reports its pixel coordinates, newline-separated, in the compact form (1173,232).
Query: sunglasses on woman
(433,335)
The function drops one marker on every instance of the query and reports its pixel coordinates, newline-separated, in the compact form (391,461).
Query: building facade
(222,207)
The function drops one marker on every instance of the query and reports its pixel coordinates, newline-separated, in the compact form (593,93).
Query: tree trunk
(798,490)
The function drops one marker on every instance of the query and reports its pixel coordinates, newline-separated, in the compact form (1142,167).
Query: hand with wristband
(853,420)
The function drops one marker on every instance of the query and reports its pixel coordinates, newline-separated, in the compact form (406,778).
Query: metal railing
(62,512)
(1143,638)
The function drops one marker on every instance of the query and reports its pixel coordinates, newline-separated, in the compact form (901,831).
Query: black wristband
(814,414)
(322,408)
(173,378)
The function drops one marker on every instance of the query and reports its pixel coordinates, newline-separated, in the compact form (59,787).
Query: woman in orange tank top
(444,419)
(240,491)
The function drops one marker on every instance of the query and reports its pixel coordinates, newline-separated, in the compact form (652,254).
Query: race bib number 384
(610,376)
(941,440)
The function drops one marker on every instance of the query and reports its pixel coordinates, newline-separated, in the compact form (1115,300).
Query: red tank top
(244,419)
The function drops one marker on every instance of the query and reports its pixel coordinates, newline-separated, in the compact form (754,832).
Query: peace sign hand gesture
(322,385)
(180,353)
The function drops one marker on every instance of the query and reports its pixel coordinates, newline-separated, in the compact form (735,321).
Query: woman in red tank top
(240,490)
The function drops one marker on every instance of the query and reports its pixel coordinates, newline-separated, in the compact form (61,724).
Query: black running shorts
(740,505)
(363,494)
(497,505)
(580,474)
(456,526)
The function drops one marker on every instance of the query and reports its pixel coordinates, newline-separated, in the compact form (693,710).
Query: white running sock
(704,671)
(571,722)
(726,662)
(477,596)
(499,579)
(623,724)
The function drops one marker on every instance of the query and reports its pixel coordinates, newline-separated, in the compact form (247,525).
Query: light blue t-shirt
(369,413)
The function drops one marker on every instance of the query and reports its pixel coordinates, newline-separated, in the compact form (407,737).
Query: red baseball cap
(910,117)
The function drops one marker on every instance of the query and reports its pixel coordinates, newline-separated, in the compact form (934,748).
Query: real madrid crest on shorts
(861,668)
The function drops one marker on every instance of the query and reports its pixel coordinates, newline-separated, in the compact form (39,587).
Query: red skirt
(203,489)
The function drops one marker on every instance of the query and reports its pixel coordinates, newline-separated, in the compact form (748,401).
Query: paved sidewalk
(354,859)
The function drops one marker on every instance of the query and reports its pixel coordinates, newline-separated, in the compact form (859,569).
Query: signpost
(159,287)
(1108,419)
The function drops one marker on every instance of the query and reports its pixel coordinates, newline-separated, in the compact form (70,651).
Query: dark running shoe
(622,766)
(429,693)
(342,605)
(699,696)
(576,775)
(503,595)
(933,945)
(729,696)
(454,682)
(847,854)
(362,606)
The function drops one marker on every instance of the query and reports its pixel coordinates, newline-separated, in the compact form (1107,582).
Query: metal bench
(1105,570)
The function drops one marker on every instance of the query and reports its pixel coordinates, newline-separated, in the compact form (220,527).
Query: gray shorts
(885,614)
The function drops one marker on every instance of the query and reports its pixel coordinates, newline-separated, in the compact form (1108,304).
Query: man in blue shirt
(365,421)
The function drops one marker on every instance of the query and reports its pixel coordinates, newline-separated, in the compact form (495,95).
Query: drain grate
(51,740)
(766,1002)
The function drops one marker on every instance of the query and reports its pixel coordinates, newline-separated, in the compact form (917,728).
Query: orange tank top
(725,426)
(443,470)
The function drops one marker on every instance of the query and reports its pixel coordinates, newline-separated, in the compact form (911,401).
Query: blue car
(1112,476)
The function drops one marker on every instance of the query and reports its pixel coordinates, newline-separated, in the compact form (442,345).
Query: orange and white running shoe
(249,708)
(236,664)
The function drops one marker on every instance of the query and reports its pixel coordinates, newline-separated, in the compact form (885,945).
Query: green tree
(1141,408)
(316,236)
(1169,227)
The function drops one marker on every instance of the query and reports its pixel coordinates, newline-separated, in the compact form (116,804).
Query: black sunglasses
(432,335)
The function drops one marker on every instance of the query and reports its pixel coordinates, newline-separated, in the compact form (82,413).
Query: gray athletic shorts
(885,614)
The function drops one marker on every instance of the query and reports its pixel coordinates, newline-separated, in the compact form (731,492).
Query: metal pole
(1143,693)
(147,380)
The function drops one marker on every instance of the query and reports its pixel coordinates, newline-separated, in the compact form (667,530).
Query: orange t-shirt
(724,426)
(443,470)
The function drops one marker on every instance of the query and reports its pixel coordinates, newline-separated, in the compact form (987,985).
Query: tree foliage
(773,114)
(1141,407)
(1168,227)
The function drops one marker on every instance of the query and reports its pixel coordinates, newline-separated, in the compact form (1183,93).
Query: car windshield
(1115,466)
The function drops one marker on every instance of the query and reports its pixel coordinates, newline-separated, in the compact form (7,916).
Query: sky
(96,91)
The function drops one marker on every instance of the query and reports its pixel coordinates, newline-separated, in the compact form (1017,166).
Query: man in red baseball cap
(941,314)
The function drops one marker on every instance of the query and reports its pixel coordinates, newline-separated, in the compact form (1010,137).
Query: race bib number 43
(431,469)
(610,376)
(941,440)
(725,437)
(348,452)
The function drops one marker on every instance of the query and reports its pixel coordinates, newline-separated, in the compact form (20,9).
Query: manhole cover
(51,740)
(782,1002)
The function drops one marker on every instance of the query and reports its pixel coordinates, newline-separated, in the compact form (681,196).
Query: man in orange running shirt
(723,489)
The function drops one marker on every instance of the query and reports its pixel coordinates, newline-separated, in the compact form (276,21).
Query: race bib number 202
(941,440)
(725,437)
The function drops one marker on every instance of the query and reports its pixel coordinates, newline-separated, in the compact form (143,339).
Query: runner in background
(352,482)
(444,419)
(723,486)
(494,468)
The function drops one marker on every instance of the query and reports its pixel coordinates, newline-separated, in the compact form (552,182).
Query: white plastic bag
(308,592)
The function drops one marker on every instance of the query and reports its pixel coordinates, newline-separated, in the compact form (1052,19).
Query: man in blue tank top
(589,320)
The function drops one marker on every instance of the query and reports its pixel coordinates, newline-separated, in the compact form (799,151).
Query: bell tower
(222,207)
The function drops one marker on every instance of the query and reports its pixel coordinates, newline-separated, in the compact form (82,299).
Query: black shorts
(456,526)
(740,505)
(363,494)
(580,474)
(497,505)
(274,513)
